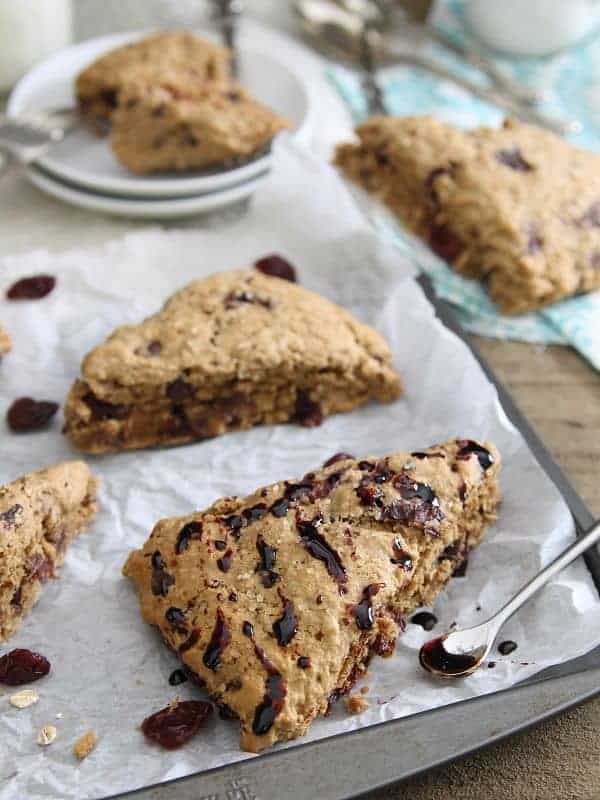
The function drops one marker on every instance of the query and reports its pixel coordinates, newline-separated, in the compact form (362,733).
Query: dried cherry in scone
(173,726)
(22,666)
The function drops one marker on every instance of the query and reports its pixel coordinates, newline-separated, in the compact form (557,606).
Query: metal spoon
(461,652)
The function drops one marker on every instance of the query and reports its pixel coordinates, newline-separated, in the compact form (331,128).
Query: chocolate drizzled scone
(277,601)
(178,57)
(165,127)
(40,514)
(228,352)
(518,207)
(5,341)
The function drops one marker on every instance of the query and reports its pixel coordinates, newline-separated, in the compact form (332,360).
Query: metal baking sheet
(351,764)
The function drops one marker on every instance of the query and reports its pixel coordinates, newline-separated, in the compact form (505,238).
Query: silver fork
(25,138)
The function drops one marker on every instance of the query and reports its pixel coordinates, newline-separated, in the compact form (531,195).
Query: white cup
(531,27)
(29,31)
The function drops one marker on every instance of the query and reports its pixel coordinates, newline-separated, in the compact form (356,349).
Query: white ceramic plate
(87,160)
(143,208)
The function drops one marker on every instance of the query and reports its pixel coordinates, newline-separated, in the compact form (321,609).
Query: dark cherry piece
(22,666)
(27,414)
(191,530)
(179,390)
(33,288)
(467,446)
(369,494)
(221,636)
(173,726)
(276,267)
(507,647)
(514,159)
(425,619)
(177,677)
(433,655)
(224,563)
(444,243)
(337,457)
(363,613)
(317,546)
(103,410)
(308,413)
(286,627)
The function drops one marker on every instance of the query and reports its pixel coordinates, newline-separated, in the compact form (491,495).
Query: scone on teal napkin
(566,81)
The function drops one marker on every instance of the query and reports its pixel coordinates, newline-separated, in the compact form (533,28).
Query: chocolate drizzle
(467,447)
(363,612)
(418,505)
(221,636)
(161,581)
(275,690)
(190,641)
(401,558)
(286,627)
(317,546)
(191,530)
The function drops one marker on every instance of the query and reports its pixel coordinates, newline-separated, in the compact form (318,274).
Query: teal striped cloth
(569,81)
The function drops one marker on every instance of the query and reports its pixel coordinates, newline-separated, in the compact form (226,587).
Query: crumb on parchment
(356,704)
(85,744)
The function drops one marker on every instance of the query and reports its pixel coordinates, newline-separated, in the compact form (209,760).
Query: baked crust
(5,341)
(517,207)
(323,570)
(231,351)
(166,127)
(179,57)
(40,514)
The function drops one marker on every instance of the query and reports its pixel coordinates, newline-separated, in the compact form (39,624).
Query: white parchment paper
(109,669)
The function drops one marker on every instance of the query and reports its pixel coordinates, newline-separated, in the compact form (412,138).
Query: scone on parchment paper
(516,207)
(40,514)
(278,601)
(225,353)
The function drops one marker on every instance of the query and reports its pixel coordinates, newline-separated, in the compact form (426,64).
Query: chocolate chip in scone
(280,507)
(368,493)
(33,288)
(437,172)
(10,516)
(276,267)
(268,555)
(513,158)
(421,456)
(179,390)
(22,666)
(173,726)
(401,558)
(235,523)
(191,530)
(255,513)
(154,347)
(190,642)
(161,581)
(220,544)
(220,638)
(363,611)
(307,412)
(102,410)
(297,491)
(418,505)
(467,447)
(535,242)
(303,662)
(40,567)
(248,630)
(27,414)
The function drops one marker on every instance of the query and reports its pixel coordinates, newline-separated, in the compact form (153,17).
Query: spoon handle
(560,562)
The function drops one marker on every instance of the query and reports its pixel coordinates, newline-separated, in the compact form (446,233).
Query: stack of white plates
(83,171)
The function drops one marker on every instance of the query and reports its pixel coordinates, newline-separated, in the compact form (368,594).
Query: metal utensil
(227,15)
(461,652)
(410,19)
(25,138)
(344,37)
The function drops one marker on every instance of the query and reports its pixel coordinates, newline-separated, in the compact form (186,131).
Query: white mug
(29,31)
(531,27)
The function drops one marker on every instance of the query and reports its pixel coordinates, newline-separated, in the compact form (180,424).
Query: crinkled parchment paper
(109,669)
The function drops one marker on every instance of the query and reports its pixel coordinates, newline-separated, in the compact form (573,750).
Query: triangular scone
(178,56)
(40,514)
(228,352)
(165,127)
(277,601)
